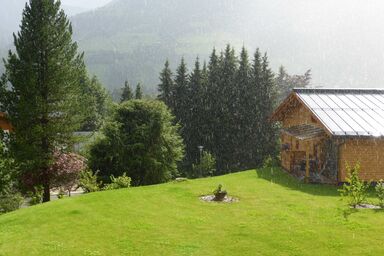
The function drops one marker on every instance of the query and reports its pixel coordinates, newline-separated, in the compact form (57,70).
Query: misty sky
(87,4)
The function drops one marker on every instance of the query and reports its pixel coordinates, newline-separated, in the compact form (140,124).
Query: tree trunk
(47,193)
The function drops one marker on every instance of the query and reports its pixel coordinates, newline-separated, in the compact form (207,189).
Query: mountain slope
(276,215)
(339,40)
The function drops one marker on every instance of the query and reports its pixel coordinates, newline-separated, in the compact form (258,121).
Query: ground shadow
(281,177)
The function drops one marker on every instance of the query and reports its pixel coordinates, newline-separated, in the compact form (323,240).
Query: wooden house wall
(368,152)
(299,115)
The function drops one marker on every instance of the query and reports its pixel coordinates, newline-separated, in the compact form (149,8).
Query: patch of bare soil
(227,199)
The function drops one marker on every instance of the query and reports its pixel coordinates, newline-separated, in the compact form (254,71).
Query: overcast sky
(88,4)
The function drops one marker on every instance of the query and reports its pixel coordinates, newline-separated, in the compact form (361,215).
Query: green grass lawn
(276,215)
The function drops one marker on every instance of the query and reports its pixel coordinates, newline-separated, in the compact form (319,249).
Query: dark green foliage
(97,102)
(141,141)
(120,182)
(166,86)
(225,108)
(126,93)
(88,181)
(285,82)
(138,92)
(43,90)
(354,190)
(10,202)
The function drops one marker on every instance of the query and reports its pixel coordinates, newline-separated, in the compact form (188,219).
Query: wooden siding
(370,154)
(299,115)
(298,148)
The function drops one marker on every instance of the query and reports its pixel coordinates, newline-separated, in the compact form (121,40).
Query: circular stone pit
(211,199)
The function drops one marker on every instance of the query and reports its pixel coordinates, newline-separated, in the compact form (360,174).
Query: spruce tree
(265,92)
(244,113)
(126,93)
(227,94)
(42,89)
(166,86)
(138,92)
(180,92)
(193,116)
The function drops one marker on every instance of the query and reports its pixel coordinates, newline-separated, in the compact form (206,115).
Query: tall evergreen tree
(244,114)
(227,95)
(180,92)
(138,92)
(166,86)
(42,90)
(192,122)
(266,102)
(126,93)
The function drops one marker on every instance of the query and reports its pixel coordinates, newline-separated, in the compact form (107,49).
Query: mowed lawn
(276,215)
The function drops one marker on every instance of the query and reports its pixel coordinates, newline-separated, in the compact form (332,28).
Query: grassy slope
(276,216)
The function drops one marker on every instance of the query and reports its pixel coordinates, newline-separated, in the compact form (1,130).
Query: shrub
(380,192)
(36,195)
(355,190)
(219,193)
(142,140)
(120,182)
(206,167)
(10,202)
(88,181)
(66,170)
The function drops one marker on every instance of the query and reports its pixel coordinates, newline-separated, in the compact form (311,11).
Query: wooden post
(307,162)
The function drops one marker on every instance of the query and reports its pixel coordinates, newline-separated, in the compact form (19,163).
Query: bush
(120,182)
(355,190)
(142,140)
(219,193)
(10,202)
(36,195)
(380,192)
(206,167)
(88,181)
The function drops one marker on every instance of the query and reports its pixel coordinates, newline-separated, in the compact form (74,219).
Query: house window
(297,144)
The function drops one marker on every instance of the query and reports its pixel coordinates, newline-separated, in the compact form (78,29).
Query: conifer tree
(245,115)
(166,86)
(42,89)
(192,122)
(265,103)
(227,95)
(180,92)
(126,93)
(138,92)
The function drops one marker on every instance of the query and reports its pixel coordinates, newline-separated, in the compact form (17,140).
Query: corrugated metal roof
(304,131)
(347,112)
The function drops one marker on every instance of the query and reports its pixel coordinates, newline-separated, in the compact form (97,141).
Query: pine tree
(180,92)
(42,94)
(245,114)
(138,92)
(266,102)
(126,92)
(166,86)
(192,122)
(227,95)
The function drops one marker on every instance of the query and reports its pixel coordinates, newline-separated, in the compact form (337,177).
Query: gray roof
(304,131)
(347,112)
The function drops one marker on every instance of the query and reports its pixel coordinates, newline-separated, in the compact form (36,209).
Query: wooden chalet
(325,129)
